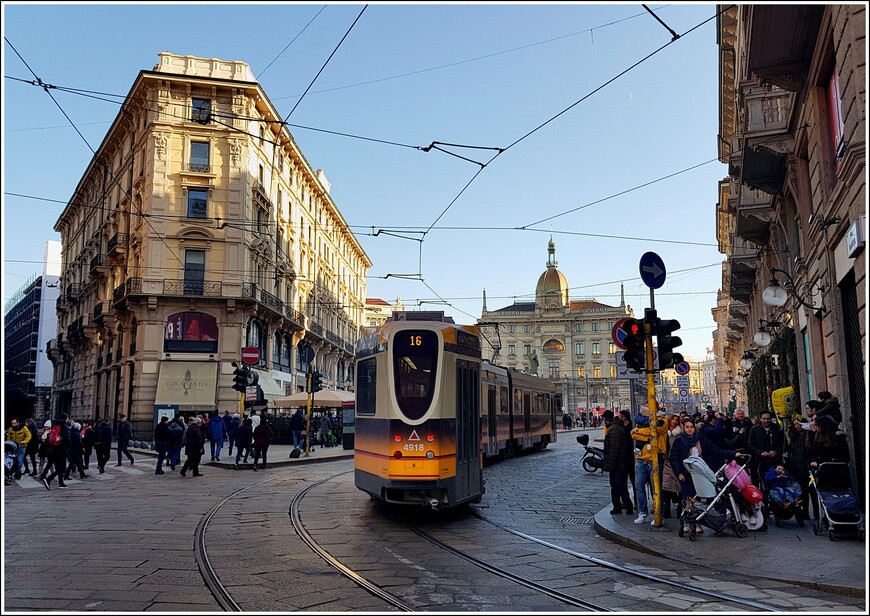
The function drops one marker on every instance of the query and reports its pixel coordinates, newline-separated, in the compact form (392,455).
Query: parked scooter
(593,458)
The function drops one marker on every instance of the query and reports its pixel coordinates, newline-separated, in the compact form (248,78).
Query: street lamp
(762,337)
(747,360)
(775,295)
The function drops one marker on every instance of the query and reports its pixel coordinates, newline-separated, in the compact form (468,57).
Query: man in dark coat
(616,461)
(125,433)
(737,437)
(74,452)
(766,445)
(194,447)
(103,444)
(829,416)
(176,440)
(217,431)
(161,442)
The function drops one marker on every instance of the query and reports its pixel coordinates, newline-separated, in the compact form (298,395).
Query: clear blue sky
(481,75)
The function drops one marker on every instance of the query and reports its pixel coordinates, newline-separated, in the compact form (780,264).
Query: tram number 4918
(413,447)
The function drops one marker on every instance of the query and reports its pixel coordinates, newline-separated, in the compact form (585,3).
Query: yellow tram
(423,419)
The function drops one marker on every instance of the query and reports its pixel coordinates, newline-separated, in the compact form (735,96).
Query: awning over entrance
(269,385)
(187,383)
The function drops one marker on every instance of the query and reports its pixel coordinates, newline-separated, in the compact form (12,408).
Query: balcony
(132,286)
(73,291)
(118,244)
(781,39)
(266,299)
(204,288)
(99,265)
(62,305)
(199,168)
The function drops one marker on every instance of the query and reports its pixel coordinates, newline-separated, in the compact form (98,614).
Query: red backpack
(54,438)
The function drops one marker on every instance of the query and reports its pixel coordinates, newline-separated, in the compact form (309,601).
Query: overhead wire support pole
(674,35)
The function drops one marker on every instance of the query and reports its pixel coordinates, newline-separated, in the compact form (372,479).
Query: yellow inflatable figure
(784,402)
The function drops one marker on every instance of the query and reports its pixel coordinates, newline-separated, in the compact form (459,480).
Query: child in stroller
(784,495)
(837,502)
(10,459)
(718,504)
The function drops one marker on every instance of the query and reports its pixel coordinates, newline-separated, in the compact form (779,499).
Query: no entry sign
(251,355)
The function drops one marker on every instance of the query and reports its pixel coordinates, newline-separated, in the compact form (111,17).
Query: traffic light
(634,343)
(240,378)
(316,381)
(667,342)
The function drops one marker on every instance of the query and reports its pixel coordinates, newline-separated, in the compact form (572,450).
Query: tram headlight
(430,455)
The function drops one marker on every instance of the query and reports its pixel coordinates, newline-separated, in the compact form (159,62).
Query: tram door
(491,426)
(468,473)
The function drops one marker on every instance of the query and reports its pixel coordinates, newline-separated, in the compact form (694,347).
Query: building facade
(198,229)
(29,322)
(791,217)
(377,311)
(566,340)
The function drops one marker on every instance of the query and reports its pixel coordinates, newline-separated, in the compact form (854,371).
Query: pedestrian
(625,415)
(798,462)
(232,423)
(297,424)
(58,442)
(21,435)
(766,445)
(42,452)
(640,437)
(217,431)
(32,447)
(737,438)
(89,437)
(670,484)
(255,419)
(262,438)
(616,461)
(176,439)
(74,452)
(244,438)
(692,443)
(713,428)
(194,447)
(162,436)
(103,444)
(325,431)
(125,433)
(829,416)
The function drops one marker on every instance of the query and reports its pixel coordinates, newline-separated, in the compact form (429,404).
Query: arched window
(256,337)
(190,332)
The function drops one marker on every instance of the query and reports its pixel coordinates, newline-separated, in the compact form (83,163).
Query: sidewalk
(788,553)
(279,455)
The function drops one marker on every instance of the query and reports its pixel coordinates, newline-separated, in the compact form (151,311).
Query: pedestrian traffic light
(667,342)
(634,343)
(240,378)
(316,381)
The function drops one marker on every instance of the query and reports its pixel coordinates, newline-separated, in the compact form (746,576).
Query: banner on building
(187,383)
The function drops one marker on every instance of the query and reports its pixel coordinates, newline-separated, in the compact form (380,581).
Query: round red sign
(251,355)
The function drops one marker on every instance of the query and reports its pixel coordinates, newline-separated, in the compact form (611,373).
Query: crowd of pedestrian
(782,453)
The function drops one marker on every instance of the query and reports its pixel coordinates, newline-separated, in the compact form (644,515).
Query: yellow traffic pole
(309,377)
(653,425)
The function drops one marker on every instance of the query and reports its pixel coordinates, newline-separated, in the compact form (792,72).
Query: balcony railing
(130,286)
(73,290)
(251,289)
(205,288)
(119,240)
(197,168)
(98,311)
(98,261)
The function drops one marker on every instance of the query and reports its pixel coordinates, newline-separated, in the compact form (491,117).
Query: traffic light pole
(653,414)
(309,386)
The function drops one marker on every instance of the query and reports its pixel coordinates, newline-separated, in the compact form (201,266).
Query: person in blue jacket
(217,433)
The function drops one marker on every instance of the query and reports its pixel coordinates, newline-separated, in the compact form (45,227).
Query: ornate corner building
(791,217)
(198,229)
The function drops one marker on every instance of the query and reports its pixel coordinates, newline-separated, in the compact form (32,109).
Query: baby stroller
(784,496)
(10,459)
(717,504)
(838,504)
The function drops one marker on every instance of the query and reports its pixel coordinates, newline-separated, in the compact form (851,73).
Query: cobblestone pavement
(126,542)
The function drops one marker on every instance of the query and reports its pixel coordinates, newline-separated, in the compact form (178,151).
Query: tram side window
(518,402)
(503,401)
(366,387)
(415,366)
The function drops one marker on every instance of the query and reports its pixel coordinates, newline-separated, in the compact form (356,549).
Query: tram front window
(415,364)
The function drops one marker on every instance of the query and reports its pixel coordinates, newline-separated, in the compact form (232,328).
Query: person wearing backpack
(125,433)
(57,443)
(74,452)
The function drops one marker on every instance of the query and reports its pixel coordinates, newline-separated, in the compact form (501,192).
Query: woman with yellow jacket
(643,457)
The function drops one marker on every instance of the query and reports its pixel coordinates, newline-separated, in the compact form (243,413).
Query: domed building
(567,340)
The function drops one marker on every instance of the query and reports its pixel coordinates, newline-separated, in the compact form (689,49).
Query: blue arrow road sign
(652,270)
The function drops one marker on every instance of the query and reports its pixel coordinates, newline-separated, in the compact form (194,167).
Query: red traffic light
(633,327)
